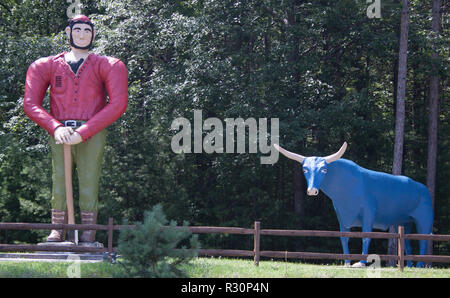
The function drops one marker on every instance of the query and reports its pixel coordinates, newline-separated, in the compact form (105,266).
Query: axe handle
(68,180)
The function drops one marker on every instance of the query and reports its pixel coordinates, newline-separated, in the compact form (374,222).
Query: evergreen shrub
(156,248)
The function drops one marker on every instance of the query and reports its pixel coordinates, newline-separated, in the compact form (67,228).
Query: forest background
(326,69)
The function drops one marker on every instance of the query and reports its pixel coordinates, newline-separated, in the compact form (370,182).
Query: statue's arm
(36,84)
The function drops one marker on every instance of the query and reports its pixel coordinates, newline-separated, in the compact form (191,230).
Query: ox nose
(313,191)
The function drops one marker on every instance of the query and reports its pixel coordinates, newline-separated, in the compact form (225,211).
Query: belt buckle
(70,123)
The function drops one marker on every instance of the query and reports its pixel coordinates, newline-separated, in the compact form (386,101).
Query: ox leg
(424,225)
(408,250)
(366,227)
(423,249)
(423,243)
(344,242)
(365,248)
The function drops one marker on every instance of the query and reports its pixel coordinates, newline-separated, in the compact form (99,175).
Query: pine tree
(152,248)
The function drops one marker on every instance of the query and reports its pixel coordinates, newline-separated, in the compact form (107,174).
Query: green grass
(31,269)
(219,268)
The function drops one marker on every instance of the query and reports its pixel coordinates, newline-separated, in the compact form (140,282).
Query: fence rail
(257,232)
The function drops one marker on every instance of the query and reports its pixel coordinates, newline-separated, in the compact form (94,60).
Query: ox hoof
(359,265)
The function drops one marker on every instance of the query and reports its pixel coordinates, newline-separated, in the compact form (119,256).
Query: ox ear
(288,154)
(337,155)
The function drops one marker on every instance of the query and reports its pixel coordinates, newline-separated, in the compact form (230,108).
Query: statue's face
(315,169)
(82,34)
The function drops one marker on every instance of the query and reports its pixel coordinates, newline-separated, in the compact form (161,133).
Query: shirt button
(75,99)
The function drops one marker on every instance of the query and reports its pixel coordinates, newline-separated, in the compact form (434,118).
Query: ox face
(315,169)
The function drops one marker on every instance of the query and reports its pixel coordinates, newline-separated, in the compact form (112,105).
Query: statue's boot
(58,217)
(88,217)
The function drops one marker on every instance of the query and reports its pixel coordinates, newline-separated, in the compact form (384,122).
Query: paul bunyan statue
(88,92)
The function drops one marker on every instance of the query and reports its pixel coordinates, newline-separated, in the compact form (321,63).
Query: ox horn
(288,154)
(337,155)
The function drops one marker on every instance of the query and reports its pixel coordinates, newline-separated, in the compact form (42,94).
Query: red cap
(81,19)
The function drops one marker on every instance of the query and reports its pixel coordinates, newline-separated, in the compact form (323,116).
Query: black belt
(73,123)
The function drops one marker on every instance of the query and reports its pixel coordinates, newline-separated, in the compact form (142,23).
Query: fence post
(256,243)
(401,248)
(110,237)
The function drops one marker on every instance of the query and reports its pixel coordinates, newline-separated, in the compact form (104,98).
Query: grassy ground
(216,268)
(220,268)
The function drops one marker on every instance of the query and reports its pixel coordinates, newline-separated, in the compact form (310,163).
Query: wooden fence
(256,253)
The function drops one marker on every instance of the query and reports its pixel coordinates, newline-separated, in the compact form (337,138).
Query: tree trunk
(400,105)
(401,90)
(298,177)
(433,116)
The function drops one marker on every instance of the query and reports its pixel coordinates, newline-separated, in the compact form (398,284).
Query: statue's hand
(63,134)
(75,138)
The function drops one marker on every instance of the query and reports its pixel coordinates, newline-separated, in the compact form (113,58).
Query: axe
(69,190)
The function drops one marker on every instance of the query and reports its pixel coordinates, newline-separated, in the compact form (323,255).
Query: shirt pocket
(59,83)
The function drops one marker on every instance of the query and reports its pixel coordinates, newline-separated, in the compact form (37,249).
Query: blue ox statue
(367,199)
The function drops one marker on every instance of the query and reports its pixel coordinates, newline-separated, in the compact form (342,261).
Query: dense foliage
(324,68)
